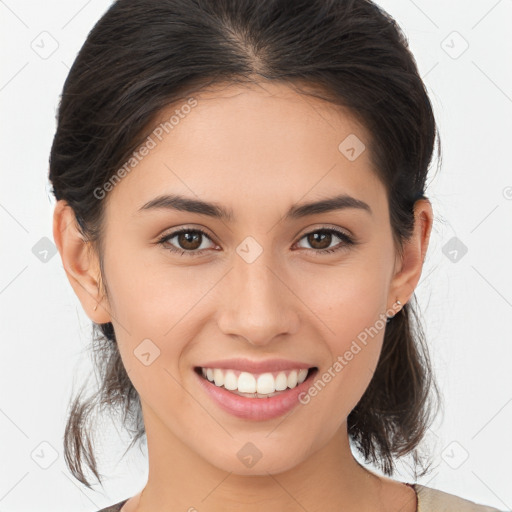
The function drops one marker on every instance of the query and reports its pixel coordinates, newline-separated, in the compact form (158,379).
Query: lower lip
(258,409)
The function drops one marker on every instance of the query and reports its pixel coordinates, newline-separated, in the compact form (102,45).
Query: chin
(257,459)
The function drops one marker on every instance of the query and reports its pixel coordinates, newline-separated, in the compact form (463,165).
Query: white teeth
(246,383)
(230,380)
(292,379)
(301,376)
(281,382)
(266,384)
(218,377)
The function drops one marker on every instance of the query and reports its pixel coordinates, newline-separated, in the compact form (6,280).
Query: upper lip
(247,365)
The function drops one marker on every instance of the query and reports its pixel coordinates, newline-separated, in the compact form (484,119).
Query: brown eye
(188,241)
(321,239)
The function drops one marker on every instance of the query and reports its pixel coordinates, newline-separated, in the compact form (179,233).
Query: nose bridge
(257,302)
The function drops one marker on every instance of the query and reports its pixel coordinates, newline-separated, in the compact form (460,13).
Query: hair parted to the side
(144,55)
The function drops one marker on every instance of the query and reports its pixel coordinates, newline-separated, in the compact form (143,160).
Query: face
(260,284)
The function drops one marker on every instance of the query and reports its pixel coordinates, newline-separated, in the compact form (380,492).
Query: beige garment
(429,500)
(434,500)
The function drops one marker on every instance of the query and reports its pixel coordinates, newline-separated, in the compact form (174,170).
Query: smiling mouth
(263,385)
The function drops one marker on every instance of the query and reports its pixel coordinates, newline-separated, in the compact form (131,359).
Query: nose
(258,303)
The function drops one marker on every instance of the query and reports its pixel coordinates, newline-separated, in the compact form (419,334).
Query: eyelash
(348,241)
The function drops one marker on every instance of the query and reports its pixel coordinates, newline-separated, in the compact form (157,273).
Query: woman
(241,211)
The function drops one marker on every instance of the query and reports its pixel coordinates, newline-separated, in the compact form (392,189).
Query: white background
(467,304)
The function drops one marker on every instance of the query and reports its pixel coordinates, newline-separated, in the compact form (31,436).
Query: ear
(410,265)
(80,262)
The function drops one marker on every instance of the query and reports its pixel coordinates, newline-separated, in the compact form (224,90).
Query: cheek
(156,310)
(350,304)
(151,298)
(347,300)
(337,388)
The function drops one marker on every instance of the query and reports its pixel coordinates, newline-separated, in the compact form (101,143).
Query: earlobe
(80,263)
(414,251)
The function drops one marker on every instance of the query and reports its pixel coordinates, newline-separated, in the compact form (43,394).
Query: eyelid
(325,227)
(181,228)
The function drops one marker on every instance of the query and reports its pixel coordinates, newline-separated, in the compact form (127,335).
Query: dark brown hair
(144,55)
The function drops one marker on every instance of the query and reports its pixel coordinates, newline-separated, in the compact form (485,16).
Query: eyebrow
(211,209)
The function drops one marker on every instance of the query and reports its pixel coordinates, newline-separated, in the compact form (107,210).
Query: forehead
(249,146)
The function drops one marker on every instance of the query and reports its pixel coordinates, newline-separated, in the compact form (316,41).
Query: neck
(179,479)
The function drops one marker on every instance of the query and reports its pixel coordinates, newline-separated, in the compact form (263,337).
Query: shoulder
(114,508)
(434,500)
